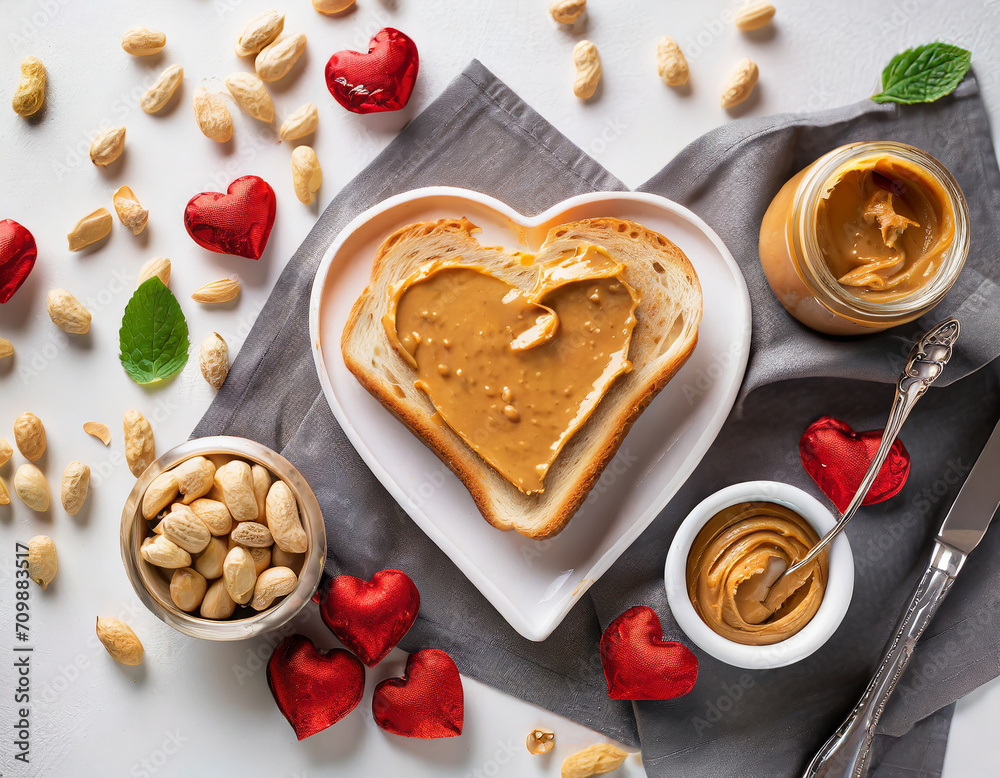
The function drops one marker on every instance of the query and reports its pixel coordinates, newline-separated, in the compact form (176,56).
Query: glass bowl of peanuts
(223,539)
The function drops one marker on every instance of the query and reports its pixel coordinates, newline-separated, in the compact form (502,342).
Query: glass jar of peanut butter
(869,236)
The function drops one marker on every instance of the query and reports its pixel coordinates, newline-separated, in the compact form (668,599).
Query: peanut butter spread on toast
(515,373)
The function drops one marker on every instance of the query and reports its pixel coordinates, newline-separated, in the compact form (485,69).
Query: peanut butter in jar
(870,236)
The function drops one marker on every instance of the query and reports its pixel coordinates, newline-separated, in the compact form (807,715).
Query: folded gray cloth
(728,177)
(481,136)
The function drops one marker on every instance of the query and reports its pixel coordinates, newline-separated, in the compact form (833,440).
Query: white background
(197,708)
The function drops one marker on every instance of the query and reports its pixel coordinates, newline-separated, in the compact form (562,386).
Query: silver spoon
(926,362)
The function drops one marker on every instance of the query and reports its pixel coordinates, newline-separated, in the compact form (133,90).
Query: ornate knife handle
(845,755)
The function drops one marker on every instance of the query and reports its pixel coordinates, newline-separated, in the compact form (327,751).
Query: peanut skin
(30,95)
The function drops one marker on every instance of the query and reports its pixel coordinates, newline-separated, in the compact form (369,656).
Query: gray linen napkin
(772,719)
(479,135)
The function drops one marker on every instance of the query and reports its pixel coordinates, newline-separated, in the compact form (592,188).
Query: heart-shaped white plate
(533,584)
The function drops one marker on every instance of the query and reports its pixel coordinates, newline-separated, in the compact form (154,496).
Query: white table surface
(196,708)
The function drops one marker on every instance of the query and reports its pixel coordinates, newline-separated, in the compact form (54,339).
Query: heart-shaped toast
(837,458)
(379,80)
(639,664)
(523,373)
(238,222)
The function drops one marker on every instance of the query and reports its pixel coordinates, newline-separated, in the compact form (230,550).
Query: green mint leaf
(154,334)
(924,74)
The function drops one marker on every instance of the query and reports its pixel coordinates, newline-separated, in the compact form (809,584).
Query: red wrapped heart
(837,458)
(427,702)
(380,80)
(639,664)
(370,617)
(238,222)
(17,257)
(314,689)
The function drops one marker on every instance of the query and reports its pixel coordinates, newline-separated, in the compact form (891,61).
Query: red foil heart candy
(17,257)
(837,458)
(370,617)
(427,702)
(313,689)
(639,664)
(237,222)
(380,80)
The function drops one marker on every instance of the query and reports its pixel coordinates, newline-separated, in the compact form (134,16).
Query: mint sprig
(154,334)
(924,74)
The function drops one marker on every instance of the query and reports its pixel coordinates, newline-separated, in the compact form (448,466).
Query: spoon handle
(926,362)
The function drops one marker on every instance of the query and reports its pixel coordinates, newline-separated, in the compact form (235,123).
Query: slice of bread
(665,334)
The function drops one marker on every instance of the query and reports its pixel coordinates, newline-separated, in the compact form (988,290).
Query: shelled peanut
(223,533)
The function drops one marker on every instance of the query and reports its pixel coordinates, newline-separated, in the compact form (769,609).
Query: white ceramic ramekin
(840,585)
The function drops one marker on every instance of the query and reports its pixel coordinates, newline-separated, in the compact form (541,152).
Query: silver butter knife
(846,753)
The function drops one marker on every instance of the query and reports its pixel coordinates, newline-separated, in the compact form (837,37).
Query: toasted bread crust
(422,420)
